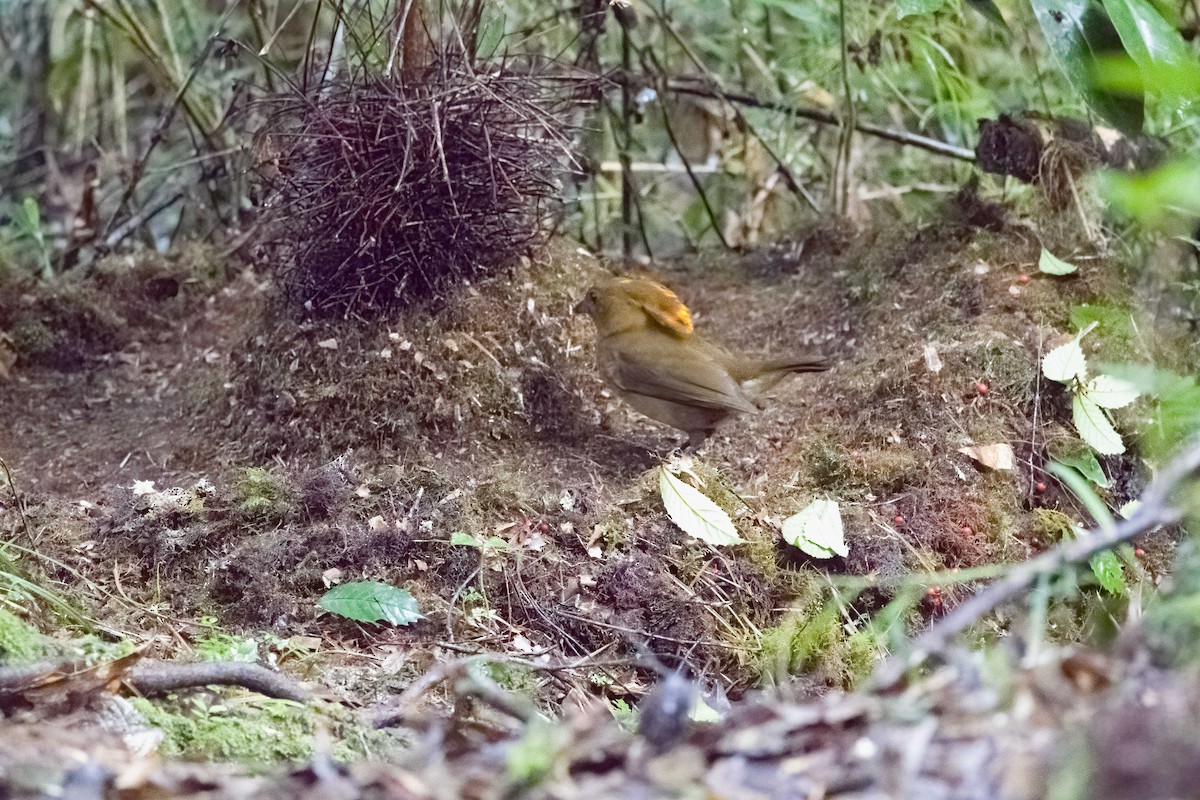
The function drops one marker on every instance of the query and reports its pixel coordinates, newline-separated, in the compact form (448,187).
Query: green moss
(813,640)
(827,465)
(256,731)
(262,496)
(19,641)
(513,677)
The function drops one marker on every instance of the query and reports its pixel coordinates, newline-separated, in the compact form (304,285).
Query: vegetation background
(292,389)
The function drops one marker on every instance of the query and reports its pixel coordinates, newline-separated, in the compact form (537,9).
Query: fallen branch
(1154,510)
(150,678)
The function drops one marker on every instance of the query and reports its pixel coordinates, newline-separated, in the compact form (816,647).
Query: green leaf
(1094,426)
(465,539)
(1084,461)
(1176,410)
(1162,196)
(1078,32)
(1111,320)
(695,514)
(1053,265)
(1149,39)
(371,601)
(1109,572)
(990,11)
(1107,391)
(1120,74)
(817,530)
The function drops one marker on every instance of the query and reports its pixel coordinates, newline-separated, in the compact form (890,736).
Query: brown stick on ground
(149,678)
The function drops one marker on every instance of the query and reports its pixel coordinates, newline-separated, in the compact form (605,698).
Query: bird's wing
(665,367)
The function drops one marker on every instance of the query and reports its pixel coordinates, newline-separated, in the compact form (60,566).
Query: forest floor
(289,455)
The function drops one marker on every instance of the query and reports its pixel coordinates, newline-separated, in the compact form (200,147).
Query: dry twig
(1154,510)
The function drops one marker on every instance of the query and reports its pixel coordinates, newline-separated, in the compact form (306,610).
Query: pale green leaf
(465,539)
(1109,572)
(817,530)
(703,712)
(1053,265)
(371,601)
(1094,426)
(1109,392)
(694,513)
(1084,460)
(1065,363)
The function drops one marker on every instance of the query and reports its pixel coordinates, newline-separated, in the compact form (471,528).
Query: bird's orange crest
(660,303)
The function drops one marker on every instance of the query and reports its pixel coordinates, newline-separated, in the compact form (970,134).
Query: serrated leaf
(817,530)
(695,514)
(1084,461)
(1094,427)
(371,601)
(1109,392)
(1109,572)
(1065,363)
(1053,265)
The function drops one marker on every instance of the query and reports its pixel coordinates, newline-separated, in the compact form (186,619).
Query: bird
(649,353)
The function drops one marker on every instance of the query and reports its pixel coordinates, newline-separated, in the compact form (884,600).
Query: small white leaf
(1130,508)
(1065,363)
(992,456)
(817,530)
(1109,392)
(328,344)
(1052,265)
(1094,427)
(695,514)
(933,362)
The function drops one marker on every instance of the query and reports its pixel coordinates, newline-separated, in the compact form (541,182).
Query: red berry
(933,591)
(966,530)
(981,387)
(1040,486)
(1139,552)
(1023,279)
(899,520)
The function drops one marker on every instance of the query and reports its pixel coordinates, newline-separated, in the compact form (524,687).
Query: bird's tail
(762,376)
(807,363)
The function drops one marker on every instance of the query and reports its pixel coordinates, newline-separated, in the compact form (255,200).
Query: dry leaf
(992,456)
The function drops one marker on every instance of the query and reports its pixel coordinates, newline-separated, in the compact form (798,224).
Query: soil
(289,454)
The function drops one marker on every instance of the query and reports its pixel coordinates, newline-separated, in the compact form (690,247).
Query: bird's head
(618,305)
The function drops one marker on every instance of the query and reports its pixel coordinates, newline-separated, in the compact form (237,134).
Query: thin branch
(817,115)
(1154,510)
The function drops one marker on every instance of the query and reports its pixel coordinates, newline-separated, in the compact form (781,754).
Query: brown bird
(649,353)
